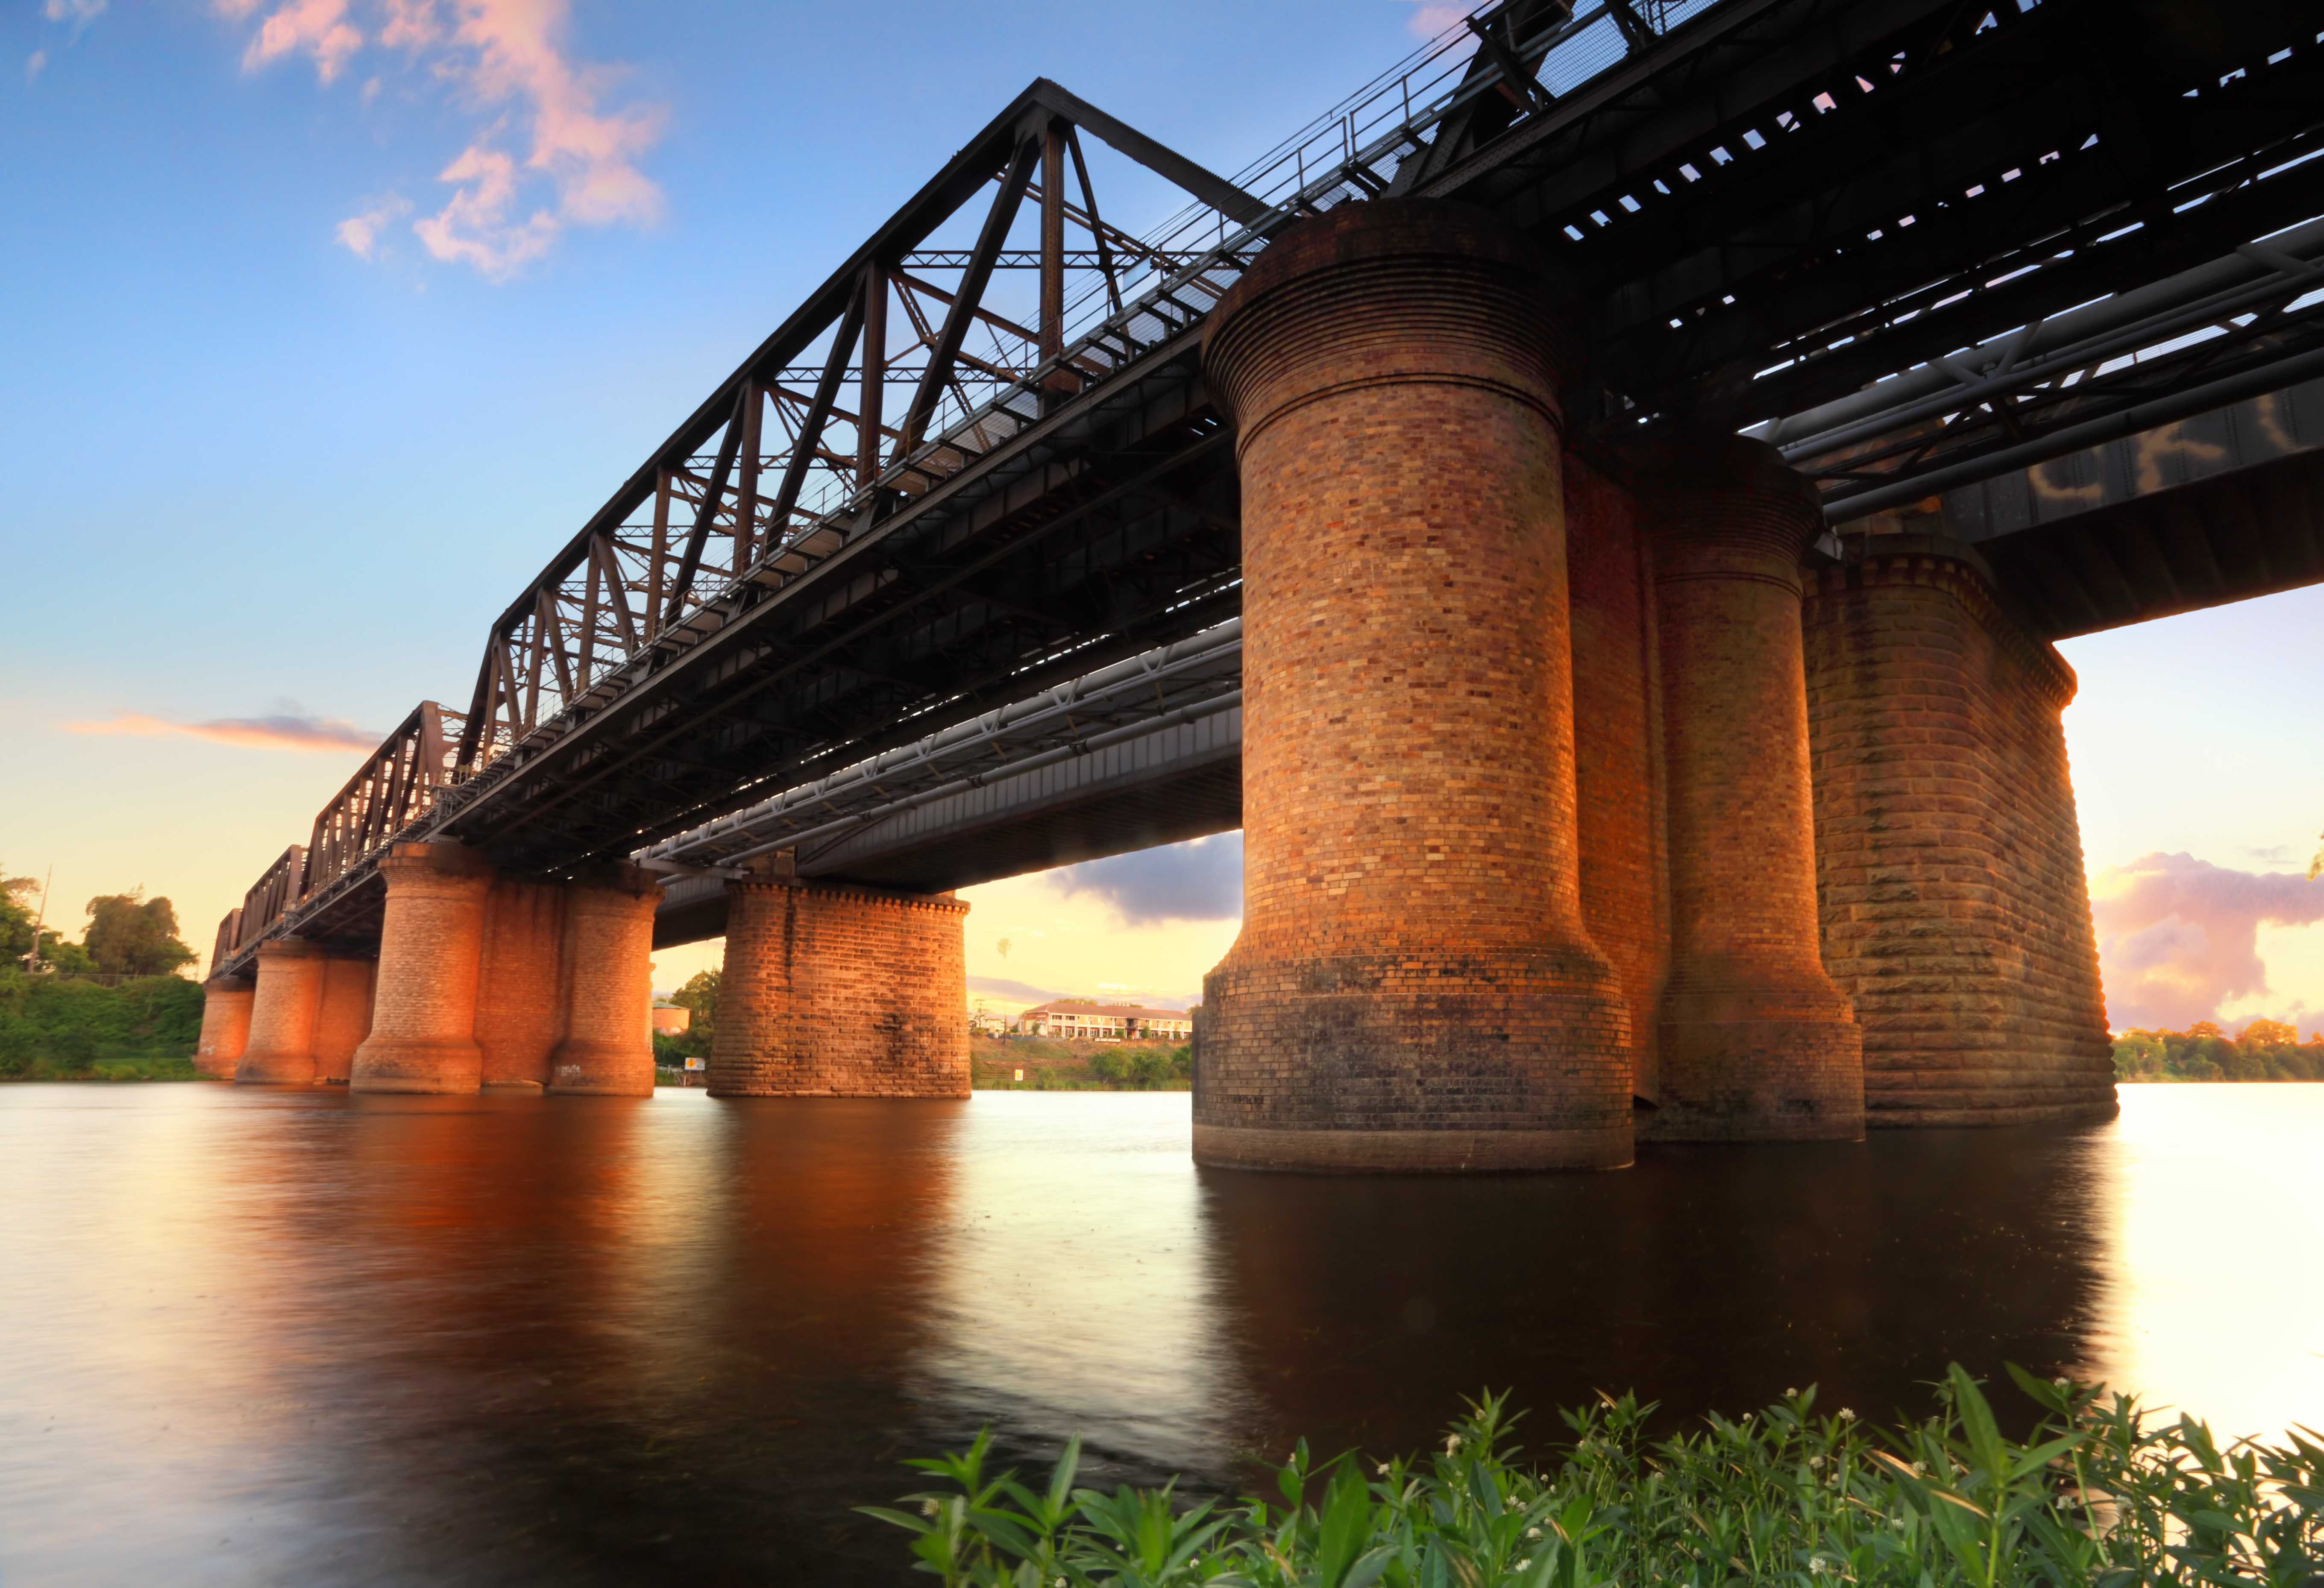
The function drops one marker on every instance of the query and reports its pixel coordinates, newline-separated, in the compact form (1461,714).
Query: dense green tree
(700,995)
(2266,1050)
(130,934)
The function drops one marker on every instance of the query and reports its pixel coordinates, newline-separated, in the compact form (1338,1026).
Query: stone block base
(391,1064)
(1759,1080)
(605,1070)
(1404,1062)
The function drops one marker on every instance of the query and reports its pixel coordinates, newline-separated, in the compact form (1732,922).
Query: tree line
(2265,1049)
(128,934)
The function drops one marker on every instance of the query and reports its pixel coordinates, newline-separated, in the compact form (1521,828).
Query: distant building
(1083,1020)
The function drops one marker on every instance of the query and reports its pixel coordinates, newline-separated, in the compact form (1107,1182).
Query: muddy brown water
(268,1336)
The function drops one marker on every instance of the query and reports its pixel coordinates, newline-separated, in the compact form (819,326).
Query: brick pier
(1414,987)
(1955,910)
(841,992)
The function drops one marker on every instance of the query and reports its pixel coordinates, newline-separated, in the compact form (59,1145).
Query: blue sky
(327,320)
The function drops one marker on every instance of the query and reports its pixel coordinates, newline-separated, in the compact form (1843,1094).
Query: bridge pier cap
(1757,1043)
(1413,988)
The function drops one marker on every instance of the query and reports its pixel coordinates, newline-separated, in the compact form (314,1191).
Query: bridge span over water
(1593,508)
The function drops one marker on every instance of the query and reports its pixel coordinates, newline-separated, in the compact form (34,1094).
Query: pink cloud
(359,234)
(548,155)
(288,732)
(2179,937)
(318,28)
(1431,17)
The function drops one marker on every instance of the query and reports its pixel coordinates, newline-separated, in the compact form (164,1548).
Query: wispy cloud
(2179,937)
(79,13)
(318,29)
(33,63)
(1432,17)
(1199,880)
(359,235)
(547,155)
(289,730)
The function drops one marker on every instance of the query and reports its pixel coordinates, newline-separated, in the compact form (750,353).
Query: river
(260,1336)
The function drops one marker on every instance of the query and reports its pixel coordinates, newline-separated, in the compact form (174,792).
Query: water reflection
(254,1336)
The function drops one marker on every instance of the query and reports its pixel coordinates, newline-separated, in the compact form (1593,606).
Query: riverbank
(1039,1064)
(58,1028)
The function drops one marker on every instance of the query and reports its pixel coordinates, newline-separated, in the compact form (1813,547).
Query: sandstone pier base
(1955,912)
(1756,1042)
(841,992)
(282,1047)
(1414,987)
(225,1025)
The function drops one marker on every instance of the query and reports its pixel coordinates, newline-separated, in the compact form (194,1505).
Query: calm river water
(285,1336)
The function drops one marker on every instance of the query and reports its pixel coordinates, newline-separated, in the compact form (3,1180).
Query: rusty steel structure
(979,460)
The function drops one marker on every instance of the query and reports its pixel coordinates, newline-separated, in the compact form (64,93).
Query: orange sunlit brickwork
(1955,910)
(608,987)
(831,991)
(282,1047)
(342,1015)
(1756,1042)
(225,1025)
(1618,753)
(424,1008)
(1413,986)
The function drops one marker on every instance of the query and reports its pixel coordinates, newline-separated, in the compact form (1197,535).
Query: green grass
(1054,1066)
(2098,1493)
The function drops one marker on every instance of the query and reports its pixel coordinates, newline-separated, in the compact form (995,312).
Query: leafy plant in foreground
(2098,1493)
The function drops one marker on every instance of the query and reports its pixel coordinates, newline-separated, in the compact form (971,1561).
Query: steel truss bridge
(940,584)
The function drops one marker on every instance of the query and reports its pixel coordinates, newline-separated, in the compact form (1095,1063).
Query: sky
(326,321)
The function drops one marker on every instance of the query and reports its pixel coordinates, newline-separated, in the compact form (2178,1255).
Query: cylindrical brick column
(282,1047)
(1755,1041)
(424,1003)
(1413,987)
(750,1044)
(608,987)
(1949,858)
(343,1016)
(225,1025)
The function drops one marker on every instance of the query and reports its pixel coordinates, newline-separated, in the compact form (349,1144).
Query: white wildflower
(1451,1443)
(1846,1416)
(1521,1565)
(1815,1463)
(927,1507)
(1920,1467)
(2063,1383)
(1791,1394)
(1533,1532)
(1382,1469)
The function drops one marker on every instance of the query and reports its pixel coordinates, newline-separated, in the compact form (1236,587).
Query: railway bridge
(1594,508)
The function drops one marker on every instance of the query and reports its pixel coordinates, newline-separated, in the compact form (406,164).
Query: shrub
(2098,1493)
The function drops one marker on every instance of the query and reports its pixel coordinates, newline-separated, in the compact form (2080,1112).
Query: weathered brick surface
(607,1046)
(843,992)
(282,1047)
(1954,907)
(1756,1042)
(424,1010)
(1618,753)
(342,1015)
(225,1025)
(520,982)
(1413,987)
